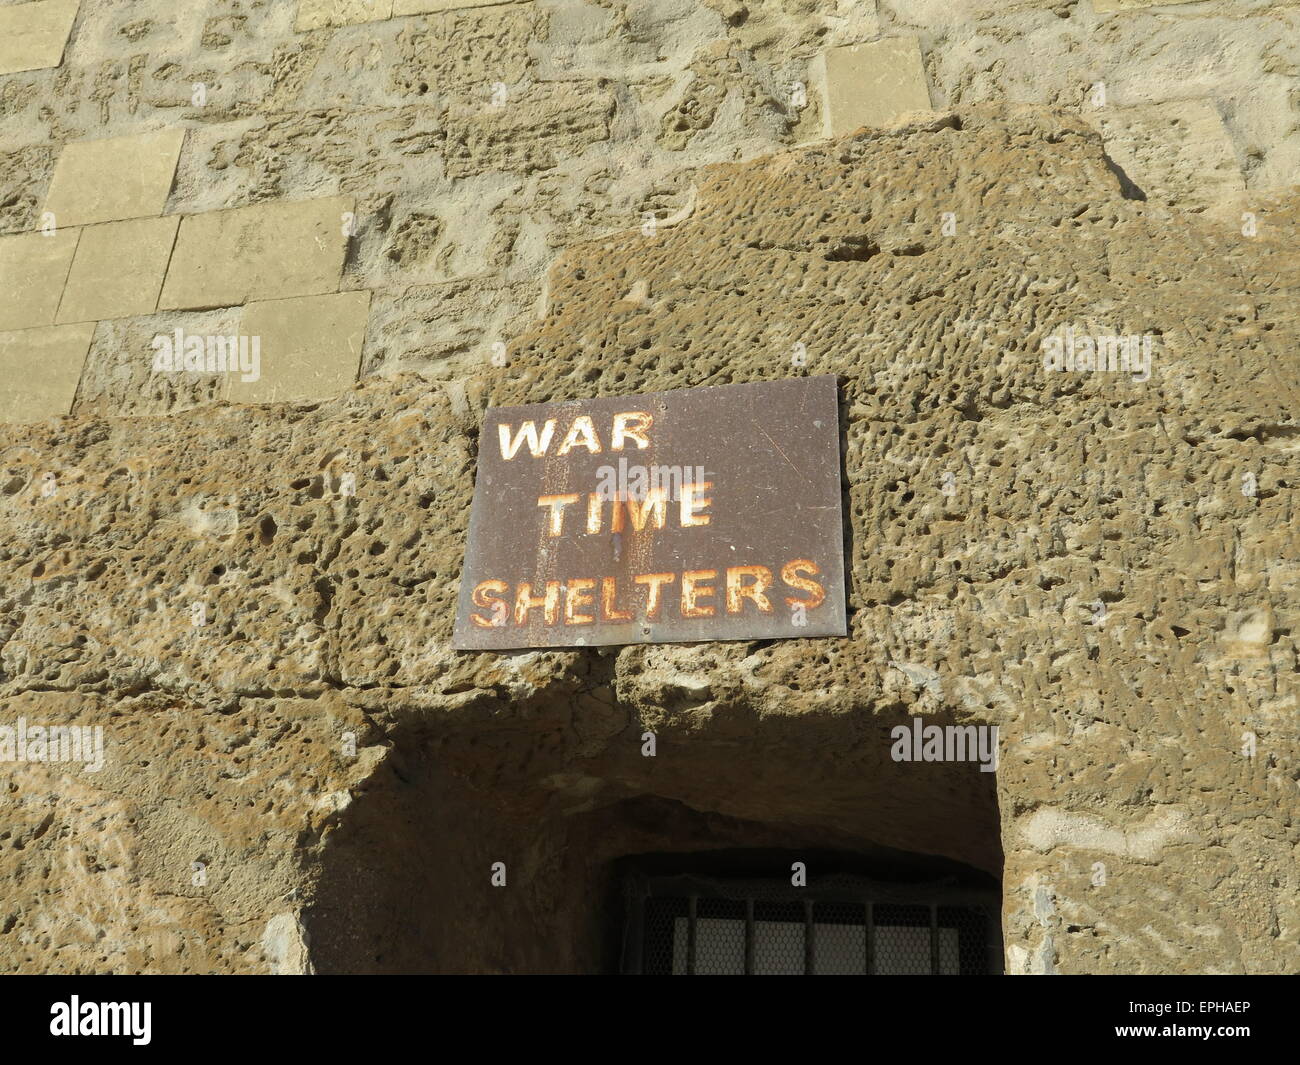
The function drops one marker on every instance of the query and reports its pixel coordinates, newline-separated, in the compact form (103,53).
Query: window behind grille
(839,925)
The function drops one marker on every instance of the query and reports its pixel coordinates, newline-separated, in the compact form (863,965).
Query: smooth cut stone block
(33,36)
(268,251)
(309,348)
(33,270)
(118,269)
(119,177)
(873,84)
(40,370)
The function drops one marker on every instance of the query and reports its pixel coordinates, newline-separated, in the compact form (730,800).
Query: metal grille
(690,925)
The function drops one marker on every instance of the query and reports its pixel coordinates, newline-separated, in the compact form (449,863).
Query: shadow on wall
(461,856)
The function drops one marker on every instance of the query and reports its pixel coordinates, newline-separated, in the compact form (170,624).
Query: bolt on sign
(701,514)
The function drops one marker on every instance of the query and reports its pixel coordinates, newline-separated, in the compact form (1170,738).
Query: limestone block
(309,348)
(120,177)
(269,251)
(313,14)
(424,7)
(1178,152)
(32,36)
(118,269)
(33,268)
(873,84)
(39,370)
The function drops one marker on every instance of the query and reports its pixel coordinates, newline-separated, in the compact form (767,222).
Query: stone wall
(424,208)
(430,157)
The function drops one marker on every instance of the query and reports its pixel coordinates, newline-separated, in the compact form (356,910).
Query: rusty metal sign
(702,514)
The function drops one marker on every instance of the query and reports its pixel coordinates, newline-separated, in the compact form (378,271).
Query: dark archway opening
(406,882)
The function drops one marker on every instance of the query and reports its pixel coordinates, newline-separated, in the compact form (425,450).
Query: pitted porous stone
(725,89)
(853,21)
(120,374)
(147,884)
(23,176)
(108,180)
(948,13)
(314,14)
(258,599)
(524,128)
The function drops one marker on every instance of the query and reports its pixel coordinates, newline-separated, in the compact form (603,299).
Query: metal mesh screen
(719,939)
(839,939)
(661,920)
(966,949)
(690,926)
(779,943)
(902,940)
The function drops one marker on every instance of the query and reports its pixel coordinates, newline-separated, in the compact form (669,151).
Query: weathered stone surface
(22,178)
(33,269)
(1104,567)
(33,35)
(1107,6)
(310,348)
(525,128)
(313,14)
(873,84)
(1178,152)
(853,22)
(291,116)
(269,251)
(128,857)
(120,374)
(108,180)
(989,507)
(118,269)
(422,7)
(723,82)
(39,371)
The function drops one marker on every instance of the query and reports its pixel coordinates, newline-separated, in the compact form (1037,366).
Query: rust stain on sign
(701,514)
